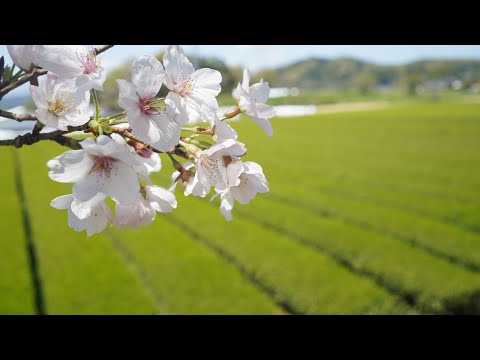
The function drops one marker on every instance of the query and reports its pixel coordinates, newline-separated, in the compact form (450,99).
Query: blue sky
(256,57)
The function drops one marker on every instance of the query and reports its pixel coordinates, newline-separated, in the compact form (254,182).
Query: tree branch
(17,117)
(57,136)
(35,73)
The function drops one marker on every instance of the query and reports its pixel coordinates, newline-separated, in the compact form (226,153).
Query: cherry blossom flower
(189,181)
(142,212)
(25,56)
(95,223)
(60,104)
(212,164)
(102,168)
(245,180)
(193,90)
(74,62)
(252,101)
(149,122)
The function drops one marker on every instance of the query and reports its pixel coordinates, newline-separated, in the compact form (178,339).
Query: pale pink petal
(169,132)
(62,202)
(139,213)
(128,98)
(177,67)
(161,200)
(226,206)
(71,166)
(177,108)
(38,98)
(259,92)
(122,184)
(147,76)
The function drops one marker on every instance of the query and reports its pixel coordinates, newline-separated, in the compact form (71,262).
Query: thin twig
(17,117)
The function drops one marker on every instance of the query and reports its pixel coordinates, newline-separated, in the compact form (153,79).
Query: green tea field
(371,212)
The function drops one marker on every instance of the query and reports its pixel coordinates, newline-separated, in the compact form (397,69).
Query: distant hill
(347,73)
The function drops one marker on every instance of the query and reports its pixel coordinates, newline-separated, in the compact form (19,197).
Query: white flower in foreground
(212,163)
(95,223)
(242,187)
(194,90)
(74,62)
(103,168)
(160,128)
(189,181)
(60,103)
(25,56)
(222,130)
(252,101)
(143,211)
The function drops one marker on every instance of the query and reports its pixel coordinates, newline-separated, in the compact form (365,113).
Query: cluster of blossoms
(117,160)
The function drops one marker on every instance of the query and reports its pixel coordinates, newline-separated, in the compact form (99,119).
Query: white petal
(174,181)
(122,184)
(196,188)
(234,170)
(49,119)
(88,193)
(161,200)
(95,223)
(207,81)
(223,131)
(177,66)
(246,80)
(25,56)
(140,213)
(259,92)
(61,60)
(264,124)
(169,132)
(147,76)
(226,206)
(217,147)
(128,98)
(71,166)
(144,126)
(38,98)
(62,202)
(177,108)
(265,111)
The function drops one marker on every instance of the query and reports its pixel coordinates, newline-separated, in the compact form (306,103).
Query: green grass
(16,296)
(188,277)
(369,212)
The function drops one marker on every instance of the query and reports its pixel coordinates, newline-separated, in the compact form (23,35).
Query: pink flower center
(148,107)
(88,61)
(183,86)
(102,164)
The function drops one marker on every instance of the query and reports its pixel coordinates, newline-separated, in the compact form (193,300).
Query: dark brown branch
(39,72)
(17,117)
(57,136)
(30,138)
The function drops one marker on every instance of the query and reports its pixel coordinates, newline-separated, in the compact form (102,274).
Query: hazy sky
(256,57)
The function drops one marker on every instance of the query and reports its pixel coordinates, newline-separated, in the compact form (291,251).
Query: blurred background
(374,202)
